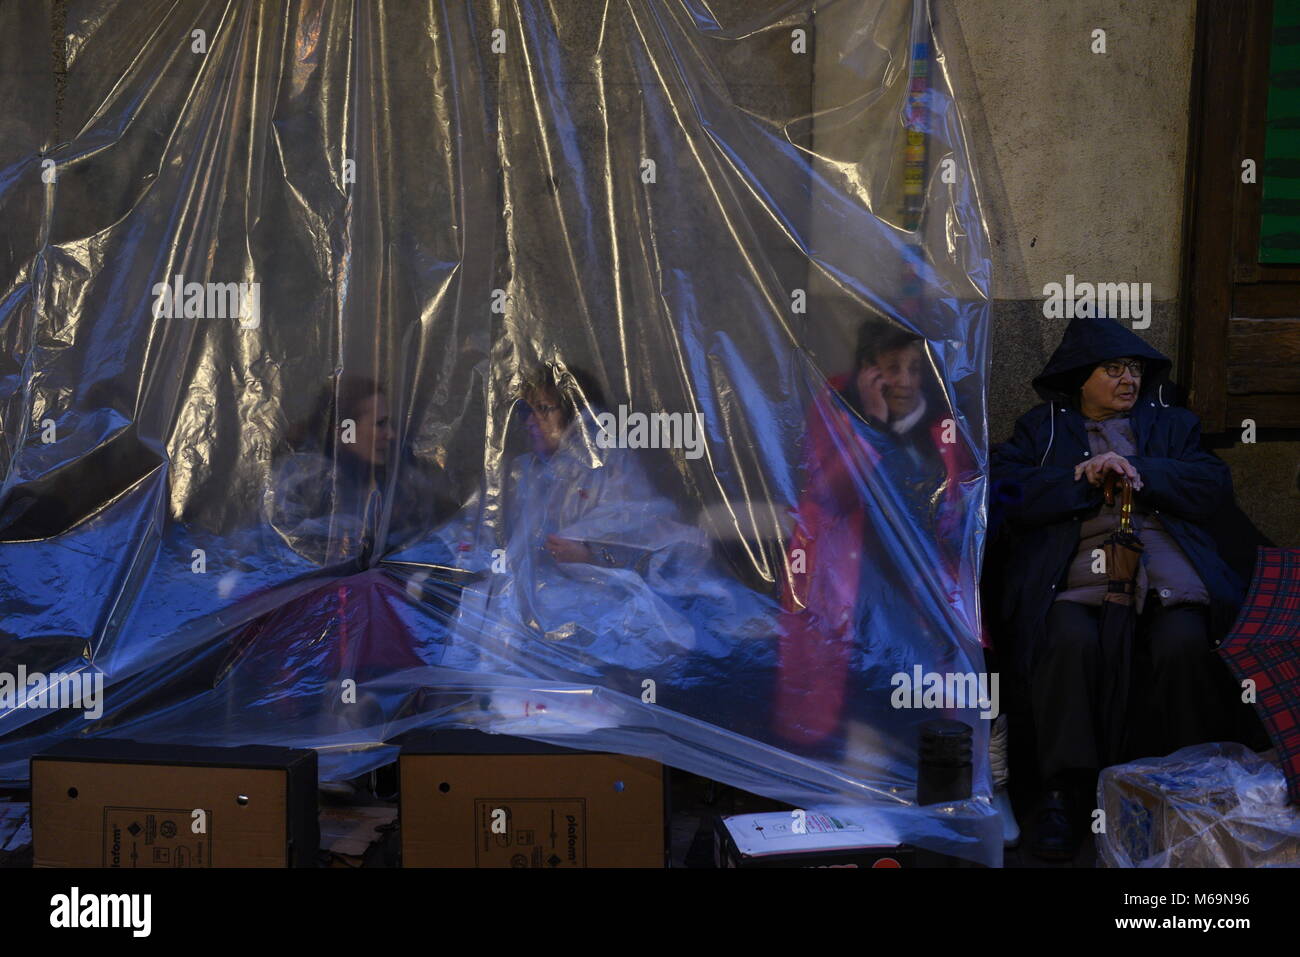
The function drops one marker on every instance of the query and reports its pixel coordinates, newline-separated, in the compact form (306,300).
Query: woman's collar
(906,423)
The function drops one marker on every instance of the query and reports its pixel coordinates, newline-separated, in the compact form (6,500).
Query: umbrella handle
(1125,500)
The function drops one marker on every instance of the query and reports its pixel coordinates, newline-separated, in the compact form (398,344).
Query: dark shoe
(1055,836)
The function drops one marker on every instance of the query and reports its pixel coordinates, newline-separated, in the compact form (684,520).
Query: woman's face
(901,371)
(546,421)
(1105,394)
(374,433)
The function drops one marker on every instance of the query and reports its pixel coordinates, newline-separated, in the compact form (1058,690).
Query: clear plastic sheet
(398,479)
(1210,805)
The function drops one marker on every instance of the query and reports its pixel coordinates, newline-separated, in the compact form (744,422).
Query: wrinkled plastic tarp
(317,509)
(1210,805)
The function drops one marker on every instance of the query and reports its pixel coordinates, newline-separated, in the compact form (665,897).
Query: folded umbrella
(1264,648)
(1123,551)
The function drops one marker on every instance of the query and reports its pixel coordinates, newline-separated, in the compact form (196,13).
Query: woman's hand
(567,550)
(871,390)
(1096,469)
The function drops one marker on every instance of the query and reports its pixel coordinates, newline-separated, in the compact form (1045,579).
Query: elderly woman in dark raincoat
(1107,411)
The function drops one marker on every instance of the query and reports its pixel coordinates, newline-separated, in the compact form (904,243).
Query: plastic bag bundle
(1211,805)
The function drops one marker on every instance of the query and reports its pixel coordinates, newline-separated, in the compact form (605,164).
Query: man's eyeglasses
(1116,368)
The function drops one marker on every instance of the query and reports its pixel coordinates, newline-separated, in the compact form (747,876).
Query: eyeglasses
(1116,368)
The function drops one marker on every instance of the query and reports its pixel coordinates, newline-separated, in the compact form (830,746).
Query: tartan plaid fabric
(1264,646)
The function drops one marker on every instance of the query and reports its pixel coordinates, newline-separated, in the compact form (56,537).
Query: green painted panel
(1279,228)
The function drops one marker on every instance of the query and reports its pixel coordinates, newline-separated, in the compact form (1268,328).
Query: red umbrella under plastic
(1264,647)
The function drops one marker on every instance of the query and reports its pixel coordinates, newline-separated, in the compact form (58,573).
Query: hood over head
(1088,342)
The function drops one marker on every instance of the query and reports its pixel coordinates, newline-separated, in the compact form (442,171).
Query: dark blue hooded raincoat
(1040,505)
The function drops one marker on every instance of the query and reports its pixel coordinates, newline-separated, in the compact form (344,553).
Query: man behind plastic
(1107,411)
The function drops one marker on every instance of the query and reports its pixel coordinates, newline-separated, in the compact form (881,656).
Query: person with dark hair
(341,494)
(893,393)
(1106,414)
(877,529)
(343,480)
(591,574)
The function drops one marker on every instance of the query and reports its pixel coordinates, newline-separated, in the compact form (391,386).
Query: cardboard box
(115,803)
(470,799)
(813,839)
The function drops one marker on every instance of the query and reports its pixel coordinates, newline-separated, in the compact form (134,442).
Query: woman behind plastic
(328,499)
(327,502)
(598,578)
(878,578)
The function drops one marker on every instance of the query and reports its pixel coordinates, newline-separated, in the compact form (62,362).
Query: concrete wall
(1082,160)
